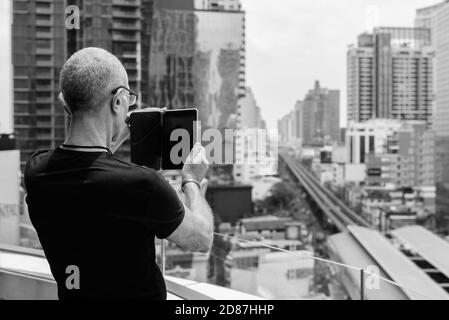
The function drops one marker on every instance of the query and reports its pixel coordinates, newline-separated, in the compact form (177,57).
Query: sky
(292,43)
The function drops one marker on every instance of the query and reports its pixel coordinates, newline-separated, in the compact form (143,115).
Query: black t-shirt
(101,215)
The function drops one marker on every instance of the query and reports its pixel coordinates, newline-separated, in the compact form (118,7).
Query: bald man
(97,216)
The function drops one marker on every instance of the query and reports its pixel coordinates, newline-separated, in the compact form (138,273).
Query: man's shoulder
(37,159)
(137,172)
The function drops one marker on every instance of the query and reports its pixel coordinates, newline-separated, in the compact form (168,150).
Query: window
(20,6)
(362,149)
(43,17)
(43,44)
(43,29)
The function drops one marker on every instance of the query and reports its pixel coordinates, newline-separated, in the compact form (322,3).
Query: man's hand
(196,164)
(196,232)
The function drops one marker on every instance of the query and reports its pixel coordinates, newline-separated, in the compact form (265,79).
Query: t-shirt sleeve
(164,210)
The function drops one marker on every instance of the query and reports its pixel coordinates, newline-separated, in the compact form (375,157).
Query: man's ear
(116,104)
(64,104)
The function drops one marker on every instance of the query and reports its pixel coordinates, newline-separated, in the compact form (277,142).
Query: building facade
(426,18)
(408,160)
(291,126)
(249,115)
(442,71)
(320,116)
(437,19)
(197,59)
(39,52)
(363,138)
(121,27)
(253,142)
(390,75)
(177,53)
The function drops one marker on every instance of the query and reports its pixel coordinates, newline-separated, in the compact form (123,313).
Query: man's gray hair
(86,77)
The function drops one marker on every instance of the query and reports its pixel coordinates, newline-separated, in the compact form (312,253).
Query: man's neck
(86,132)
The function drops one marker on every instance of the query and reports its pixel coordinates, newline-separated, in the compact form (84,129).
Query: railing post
(362,284)
(163,256)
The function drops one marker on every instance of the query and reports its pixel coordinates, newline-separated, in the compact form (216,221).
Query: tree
(281,196)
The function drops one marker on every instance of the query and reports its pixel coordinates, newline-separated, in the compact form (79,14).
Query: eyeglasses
(131,94)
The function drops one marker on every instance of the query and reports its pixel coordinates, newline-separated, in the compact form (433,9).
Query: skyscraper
(198,58)
(436,19)
(441,125)
(38,52)
(390,75)
(172,54)
(321,114)
(290,127)
(248,111)
(42,43)
(426,18)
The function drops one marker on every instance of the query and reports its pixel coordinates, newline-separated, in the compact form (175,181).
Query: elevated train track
(335,209)
(359,244)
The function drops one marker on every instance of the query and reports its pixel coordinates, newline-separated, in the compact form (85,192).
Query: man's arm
(195,233)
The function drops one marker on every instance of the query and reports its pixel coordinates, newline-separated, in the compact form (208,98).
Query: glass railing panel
(264,270)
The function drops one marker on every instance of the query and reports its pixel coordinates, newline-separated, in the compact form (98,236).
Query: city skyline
(317,24)
(310,64)
(294,67)
(347,200)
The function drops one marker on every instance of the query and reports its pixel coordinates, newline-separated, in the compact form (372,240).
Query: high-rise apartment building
(441,120)
(41,45)
(436,18)
(198,60)
(290,127)
(285,125)
(176,56)
(39,52)
(390,75)
(320,116)
(314,120)
(298,120)
(426,18)
(249,114)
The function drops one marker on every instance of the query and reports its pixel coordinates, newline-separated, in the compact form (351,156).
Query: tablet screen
(146,136)
(177,137)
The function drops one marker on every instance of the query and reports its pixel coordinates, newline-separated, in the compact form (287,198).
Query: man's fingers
(196,152)
(199,156)
(204,159)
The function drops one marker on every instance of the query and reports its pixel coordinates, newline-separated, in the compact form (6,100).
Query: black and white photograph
(245,151)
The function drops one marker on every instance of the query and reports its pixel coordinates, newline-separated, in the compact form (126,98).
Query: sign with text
(9,197)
